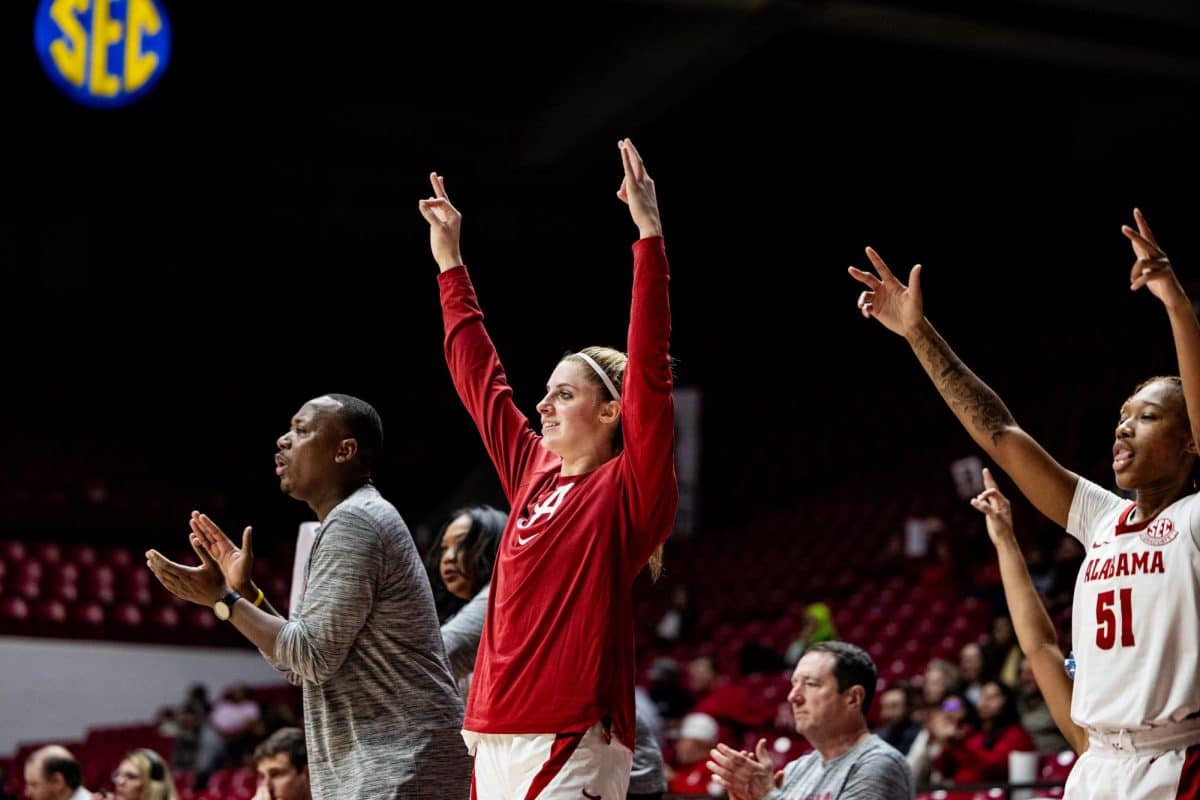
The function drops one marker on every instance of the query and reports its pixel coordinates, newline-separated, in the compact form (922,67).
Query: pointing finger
(880,266)
(865,277)
(1144,227)
(988,480)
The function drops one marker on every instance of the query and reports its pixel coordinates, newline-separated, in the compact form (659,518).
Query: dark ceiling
(181,274)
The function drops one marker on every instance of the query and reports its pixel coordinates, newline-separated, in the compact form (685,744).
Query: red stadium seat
(63,571)
(15,616)
(29,588)
(51,611)
(98,584)
(118,557)
(12,551)
(47,552)
(81,554)
(86,618)
(126,617)
(14,608)
(61,581)
(165,617)
(242,783)
(134,592)
(1057,766)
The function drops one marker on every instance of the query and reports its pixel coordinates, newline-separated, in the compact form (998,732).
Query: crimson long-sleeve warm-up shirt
(557,651)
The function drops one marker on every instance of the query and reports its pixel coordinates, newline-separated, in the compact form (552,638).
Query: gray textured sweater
(382,713)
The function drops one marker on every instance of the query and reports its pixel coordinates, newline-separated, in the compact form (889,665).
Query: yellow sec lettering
(105,31)
(70,52)
(141,17)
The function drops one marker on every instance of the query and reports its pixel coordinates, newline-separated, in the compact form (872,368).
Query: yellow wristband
(258,601)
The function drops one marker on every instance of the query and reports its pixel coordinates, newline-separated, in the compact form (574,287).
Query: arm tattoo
(971,400)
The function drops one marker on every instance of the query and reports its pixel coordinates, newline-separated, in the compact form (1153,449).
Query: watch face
(221,609)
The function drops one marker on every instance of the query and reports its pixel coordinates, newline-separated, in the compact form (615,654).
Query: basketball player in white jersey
(1136,617)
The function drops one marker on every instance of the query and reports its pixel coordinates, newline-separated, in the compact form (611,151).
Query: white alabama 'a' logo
(546,508)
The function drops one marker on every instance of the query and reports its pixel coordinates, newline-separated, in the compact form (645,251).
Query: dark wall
(179,276)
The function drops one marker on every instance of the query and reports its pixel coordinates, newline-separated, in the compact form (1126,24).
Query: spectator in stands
(941,569)
(52,773)
(142,775)
(689,774)
(1068,558)
(459,564)
(982,755)
(239,721)
(363,641)
(198,748)
(970,665)
(832,689)
(941,679)
(197,700)
(282,766)
(235,712)
(817,627)
(1002,655)
(666,690)
(702,677)
(1036,718)
(166,722)
(954,713)
(1041,568)
(896,725)
(919,530)
(676,623)
(733,704)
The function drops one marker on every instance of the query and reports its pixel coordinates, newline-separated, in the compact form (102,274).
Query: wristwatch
(224,607)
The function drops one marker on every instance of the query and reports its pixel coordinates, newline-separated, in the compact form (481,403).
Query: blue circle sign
(103,53)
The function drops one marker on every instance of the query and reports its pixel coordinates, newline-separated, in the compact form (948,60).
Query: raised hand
(746,776)
(898,307)
(235,564)
(203,584)
(942,727)
(637,191)
(995,508)
(1151,267)
(445,225)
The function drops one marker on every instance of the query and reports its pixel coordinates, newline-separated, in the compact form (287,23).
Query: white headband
(608,384)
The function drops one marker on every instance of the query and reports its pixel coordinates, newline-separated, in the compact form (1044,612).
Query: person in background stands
(52,773)
(832,688)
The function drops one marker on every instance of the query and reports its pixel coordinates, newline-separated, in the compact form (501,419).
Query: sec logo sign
(102,53)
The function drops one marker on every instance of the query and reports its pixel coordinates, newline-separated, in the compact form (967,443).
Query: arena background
(180,275)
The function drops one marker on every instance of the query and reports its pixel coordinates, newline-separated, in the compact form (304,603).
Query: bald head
(51,773)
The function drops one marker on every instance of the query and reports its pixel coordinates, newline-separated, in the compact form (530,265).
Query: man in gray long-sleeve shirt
(832,688)
(381,711)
